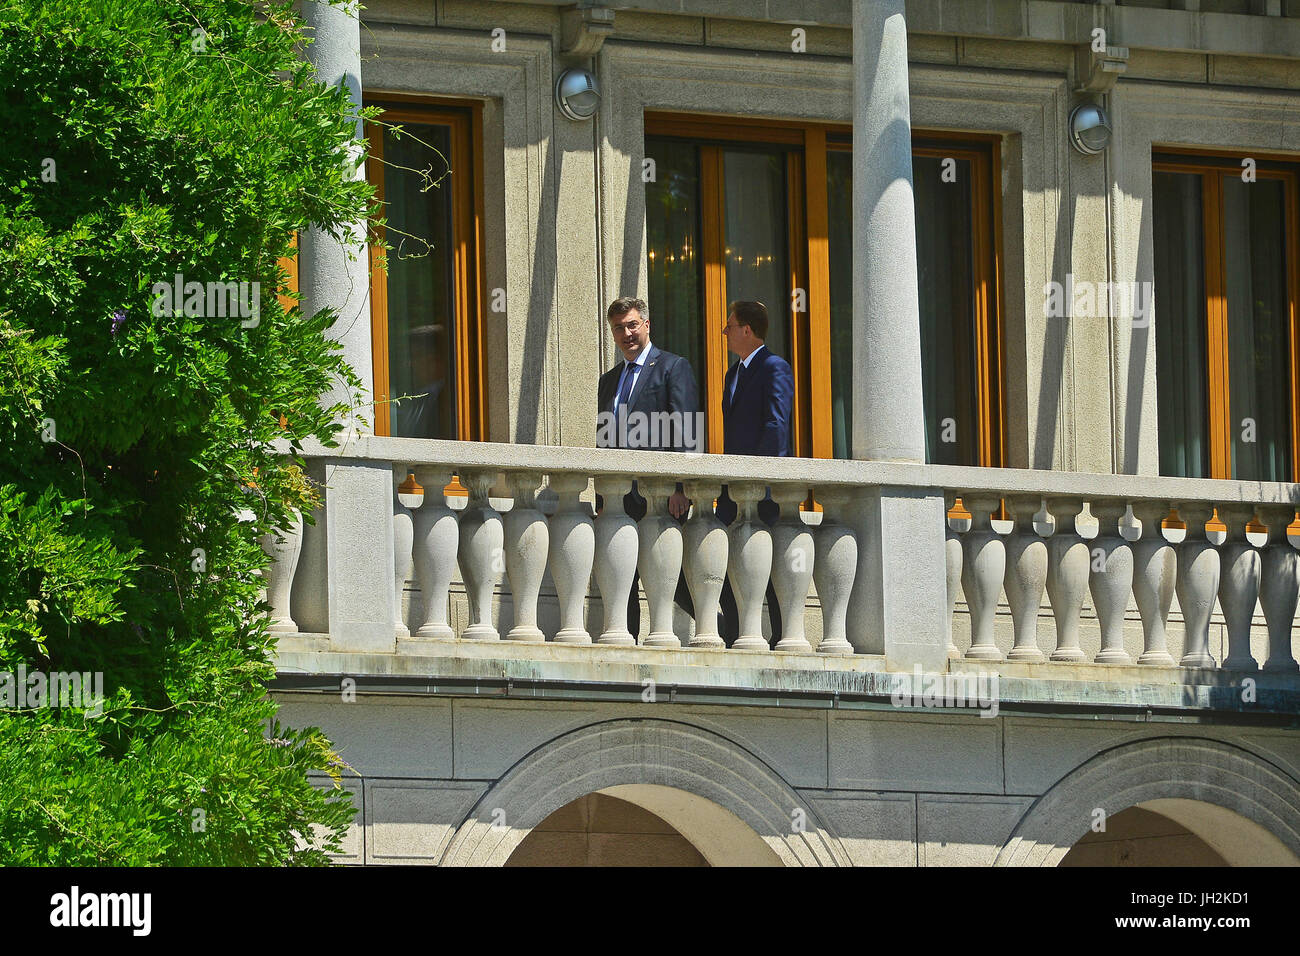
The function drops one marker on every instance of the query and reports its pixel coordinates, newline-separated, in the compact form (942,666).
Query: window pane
(673,235)
(1259,377)
(754,233)
(943,272)
(1182,375)
(421,290)
(944,275)
(839,195)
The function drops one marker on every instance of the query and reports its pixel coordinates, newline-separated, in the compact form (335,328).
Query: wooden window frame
(808,218)
(469,286)
(1211,167)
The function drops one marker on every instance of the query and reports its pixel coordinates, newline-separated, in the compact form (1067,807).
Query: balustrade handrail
(822,472)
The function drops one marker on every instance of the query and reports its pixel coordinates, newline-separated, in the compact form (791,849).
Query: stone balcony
(1084,596)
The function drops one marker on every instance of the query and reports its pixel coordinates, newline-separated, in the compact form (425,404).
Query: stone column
(888,410)
(749,564)
(1278,589)
(835,565)
(408,496)
(659,559)
(792,566)
(359,545)
(1153,582)
(1111,580)
(283,547)
(481,554)
(952,556)
(1198,583)
(333,274)
(526,543)
(704,547)
(1025,578)
(1067,576)
(616,553)
(894,609)
(437,538)
(983,572)
(571,550)
(1241,567)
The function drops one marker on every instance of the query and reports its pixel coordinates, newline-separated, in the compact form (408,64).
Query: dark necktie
(620,404)
(741,369)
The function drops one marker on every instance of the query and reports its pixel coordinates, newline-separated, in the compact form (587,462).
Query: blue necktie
(620,406)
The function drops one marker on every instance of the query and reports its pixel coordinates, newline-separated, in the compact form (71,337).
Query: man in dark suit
(756,400)
(648,401)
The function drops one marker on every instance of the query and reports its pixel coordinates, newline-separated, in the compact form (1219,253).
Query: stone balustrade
(875,555)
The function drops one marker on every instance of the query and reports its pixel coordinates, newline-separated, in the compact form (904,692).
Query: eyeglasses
(628,327)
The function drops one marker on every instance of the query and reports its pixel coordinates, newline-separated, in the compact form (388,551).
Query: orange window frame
(1212,168)
(808,219)
(465,121)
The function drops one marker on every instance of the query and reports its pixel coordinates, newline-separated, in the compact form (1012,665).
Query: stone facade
(460,754)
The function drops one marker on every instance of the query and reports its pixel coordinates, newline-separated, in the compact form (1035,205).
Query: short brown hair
(625,304)
(753,314)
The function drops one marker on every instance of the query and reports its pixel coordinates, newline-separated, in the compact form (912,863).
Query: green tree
(146,139)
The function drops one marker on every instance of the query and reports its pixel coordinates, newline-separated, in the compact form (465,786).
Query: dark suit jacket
(757,420)
(666,383)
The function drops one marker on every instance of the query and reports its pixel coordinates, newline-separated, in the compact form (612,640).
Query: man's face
(740,338)
(631,333)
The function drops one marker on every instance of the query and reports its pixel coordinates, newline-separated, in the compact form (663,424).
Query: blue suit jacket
(757,420)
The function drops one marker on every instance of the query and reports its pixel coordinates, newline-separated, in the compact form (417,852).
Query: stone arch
(730,804)
(1241,804)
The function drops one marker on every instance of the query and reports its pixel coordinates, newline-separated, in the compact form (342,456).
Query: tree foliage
(150,138)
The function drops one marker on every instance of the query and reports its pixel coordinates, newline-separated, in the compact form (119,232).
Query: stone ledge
(521,670)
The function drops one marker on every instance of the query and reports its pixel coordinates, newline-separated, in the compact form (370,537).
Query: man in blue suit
(756,400)
(649,402)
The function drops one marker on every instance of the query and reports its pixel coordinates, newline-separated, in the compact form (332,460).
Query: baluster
(749,564)
(409,495)
(835,566)
(572,549)
(1198,582)
(659,560)
(1238,586)
(983,568)
(1154,574)
(793,560)
(1067,577)
(480,554)
(616,550)
(704,546)
(284,549)
(526,542)
(1025,578)
(952,564)
(1111,580)
(1278,589)
(437,537)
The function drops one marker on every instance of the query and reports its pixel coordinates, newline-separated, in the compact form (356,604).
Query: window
(739,210)
(1226,296)
(426,295)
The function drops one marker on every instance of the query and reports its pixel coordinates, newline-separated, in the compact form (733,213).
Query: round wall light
(576,94)
(1089,129)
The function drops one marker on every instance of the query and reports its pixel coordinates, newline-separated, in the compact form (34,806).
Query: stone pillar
(1111,579)
(705,546)
(1154,573)
(572,548)
(527,543)
(792,566)
(659,559)
(283,547)
(1068,564)
(616,554)
(359,544)
(888,411)
(1025,578)
(1279,583)
(1240,569)
(749,564)
(481,554)
(333,274)
(1198,584)
(437,539)
(983,570)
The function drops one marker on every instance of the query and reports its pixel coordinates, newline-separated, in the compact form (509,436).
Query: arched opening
(1197,796)
(722,800)
(1141,837)
(601,830)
